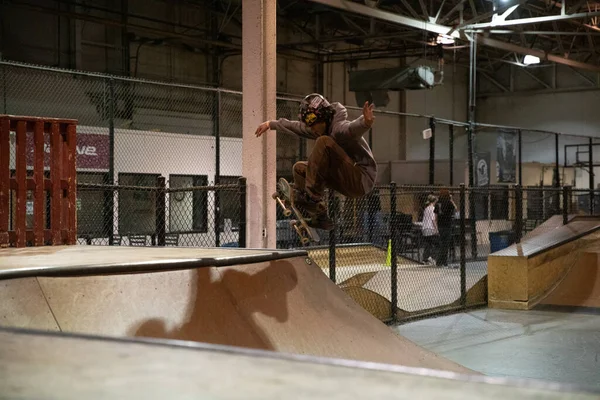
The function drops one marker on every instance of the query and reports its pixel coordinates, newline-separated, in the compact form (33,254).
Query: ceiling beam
(445,30)
(458,6)
(557,32)
(494,81)
(535,52)
(357,8)
(534,20)
(586,78)
(336,39)
(410,9)
(535,78)
(437,15)
(488,14)
(535,92)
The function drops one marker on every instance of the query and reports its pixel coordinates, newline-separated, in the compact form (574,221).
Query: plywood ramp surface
(556,221)
(557,272)
(418,288)
(36,366)
(548,239)
(580,287)
(22,304)
(284,305)
(353,257)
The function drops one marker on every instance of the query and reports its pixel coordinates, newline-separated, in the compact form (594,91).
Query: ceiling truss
(564,34)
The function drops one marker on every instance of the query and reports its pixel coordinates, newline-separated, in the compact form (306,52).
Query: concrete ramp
(547,266)
(277,301)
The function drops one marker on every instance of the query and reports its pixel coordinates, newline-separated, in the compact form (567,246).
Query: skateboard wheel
(305,241)
(287,213)
(275,196)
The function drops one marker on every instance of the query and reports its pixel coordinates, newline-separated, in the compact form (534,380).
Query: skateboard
(284,198)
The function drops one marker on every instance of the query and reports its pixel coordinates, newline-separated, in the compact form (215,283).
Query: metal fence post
(217,133)
(371,210)
(4,90)
(394,250)
(591,174)
(432,151)
(463,249)
(161,210)
(520,155)
(470,156)
(451,155)
(556,176)
(332,234)
(566,201)
(473,223)
(242,224)
(518,228)
(109,194)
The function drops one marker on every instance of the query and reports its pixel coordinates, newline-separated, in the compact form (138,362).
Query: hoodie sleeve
(291,127)
(353,129)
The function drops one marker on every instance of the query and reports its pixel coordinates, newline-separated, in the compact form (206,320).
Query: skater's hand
(262,128)
(368,113)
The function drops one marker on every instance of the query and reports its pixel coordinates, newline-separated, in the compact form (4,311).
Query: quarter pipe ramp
(277,301)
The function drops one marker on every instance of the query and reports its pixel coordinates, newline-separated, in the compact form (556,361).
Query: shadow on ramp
(283,305)
(220,317)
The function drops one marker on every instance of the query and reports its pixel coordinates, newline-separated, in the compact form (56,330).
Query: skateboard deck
(284,198)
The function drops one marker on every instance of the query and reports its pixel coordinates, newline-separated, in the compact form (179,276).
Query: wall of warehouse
(92,46)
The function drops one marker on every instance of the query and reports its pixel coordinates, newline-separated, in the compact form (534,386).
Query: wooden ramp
(555,222)
(421,290)
(579,287)
(35,365)
(270,300)
(523,275)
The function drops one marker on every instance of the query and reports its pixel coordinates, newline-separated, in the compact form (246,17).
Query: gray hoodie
(347,134)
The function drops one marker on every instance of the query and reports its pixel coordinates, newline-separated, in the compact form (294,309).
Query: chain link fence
(131,132)
(405,252)
(148,213)
(160,164)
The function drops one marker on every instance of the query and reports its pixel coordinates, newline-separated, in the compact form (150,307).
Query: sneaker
(321,221)
(303,202)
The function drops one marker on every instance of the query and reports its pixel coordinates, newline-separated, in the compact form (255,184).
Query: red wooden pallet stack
(61,184)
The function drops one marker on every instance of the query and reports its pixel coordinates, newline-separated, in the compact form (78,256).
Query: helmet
(315,108)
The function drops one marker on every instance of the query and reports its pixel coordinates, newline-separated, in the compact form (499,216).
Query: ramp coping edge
(301,358)
(151,265)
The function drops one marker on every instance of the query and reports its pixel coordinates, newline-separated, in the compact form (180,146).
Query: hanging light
(529,59)
(444,39)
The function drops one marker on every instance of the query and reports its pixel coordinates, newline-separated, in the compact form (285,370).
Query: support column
(259,88)
(591,174)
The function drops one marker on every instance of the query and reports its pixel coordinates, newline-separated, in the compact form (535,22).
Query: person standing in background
(430,229)
(445,215)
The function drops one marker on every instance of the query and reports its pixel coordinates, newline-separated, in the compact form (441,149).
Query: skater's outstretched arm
(361,125)
(286,126)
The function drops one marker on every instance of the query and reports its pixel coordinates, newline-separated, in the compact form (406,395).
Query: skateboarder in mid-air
(341,158)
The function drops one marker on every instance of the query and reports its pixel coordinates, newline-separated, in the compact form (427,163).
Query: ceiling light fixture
(529,59)
(444,39)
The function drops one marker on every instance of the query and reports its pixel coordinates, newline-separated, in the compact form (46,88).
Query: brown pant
(328,166)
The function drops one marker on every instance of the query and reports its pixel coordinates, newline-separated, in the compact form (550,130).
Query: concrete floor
(542,345)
